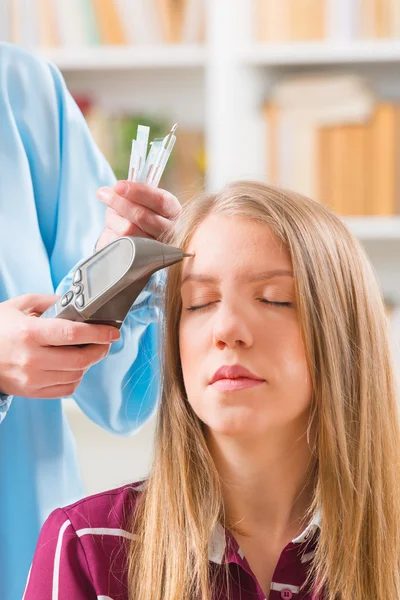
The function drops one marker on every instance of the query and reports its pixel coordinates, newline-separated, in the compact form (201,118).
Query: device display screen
(108,267)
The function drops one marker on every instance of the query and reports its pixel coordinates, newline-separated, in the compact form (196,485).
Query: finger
(33,303)
(160,201)
(70,358)
(147,220)
(51,378)
(122,226)
(60,332)
(107,236)
(56,391)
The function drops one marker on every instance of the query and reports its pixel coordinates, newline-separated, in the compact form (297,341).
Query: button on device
(286,594)
(77,276)
(66,299)
(80,300)
(78,289)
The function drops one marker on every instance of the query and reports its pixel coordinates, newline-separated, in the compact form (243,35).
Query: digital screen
(108,267)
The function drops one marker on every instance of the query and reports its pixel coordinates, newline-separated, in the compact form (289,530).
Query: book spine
(273,20)
(194,22)
(48,30)
(24,23)
(307,19)
(341,17)
(271,116)
(109,23)
(355,170)
(171,15)
(91,30)
(383,144)
(69,23)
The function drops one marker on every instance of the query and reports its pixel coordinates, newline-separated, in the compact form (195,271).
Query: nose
(231,328)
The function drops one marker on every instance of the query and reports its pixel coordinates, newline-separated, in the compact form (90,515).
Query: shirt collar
(217,543)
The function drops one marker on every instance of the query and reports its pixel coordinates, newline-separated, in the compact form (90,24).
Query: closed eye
(270,302)
(200,306)
(262,300)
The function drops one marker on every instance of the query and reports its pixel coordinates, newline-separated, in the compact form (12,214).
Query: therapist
(50,219)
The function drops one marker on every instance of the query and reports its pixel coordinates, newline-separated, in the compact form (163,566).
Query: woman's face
(242,354)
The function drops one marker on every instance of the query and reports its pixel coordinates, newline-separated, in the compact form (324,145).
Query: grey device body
(105,286)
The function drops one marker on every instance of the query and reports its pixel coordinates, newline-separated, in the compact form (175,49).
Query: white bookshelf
(104,58)
(322,53)
(377,228)
(221,87)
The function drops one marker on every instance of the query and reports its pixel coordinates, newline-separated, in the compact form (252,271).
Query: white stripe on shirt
(57,558)
(284,586)
(27,582)
(106,531)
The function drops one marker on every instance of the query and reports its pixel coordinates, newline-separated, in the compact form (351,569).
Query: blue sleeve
(60,167)
(120,393)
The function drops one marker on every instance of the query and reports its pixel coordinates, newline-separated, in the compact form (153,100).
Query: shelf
(375,228)
(104,58)
(322,53)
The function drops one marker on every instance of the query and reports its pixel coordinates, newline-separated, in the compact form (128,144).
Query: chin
(233,425)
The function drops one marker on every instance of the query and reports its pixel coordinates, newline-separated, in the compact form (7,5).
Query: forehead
(236,242)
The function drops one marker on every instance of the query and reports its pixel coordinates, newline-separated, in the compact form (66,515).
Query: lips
(234,372)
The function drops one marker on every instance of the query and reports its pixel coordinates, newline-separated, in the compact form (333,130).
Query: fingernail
(105,193)
(121,187)
(114,335)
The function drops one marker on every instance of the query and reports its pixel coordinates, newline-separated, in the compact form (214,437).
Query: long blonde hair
(357,451)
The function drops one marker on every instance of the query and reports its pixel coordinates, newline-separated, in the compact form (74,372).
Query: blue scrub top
(50,219)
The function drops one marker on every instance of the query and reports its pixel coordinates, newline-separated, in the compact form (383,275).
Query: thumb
(33,304)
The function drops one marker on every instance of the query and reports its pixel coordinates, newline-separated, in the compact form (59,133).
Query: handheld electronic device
(105,286)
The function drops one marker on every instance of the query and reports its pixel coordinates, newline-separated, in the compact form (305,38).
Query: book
(194,22)
(337,140)
(357,172)
(271,114)
(306,19)
(171,14)
(383,144)
(272,20)
(319,90)
(48,29)
(318,140)
(341,20)
(395,20)
(357,169)
(89,23)
(139,21)
(24,23)
(70,24)
(109,23)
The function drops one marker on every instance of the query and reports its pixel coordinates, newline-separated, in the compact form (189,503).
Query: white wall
(106,460)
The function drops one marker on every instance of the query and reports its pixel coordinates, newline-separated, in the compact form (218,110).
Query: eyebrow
(264,276)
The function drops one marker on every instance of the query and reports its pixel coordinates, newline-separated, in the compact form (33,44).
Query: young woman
(276,470)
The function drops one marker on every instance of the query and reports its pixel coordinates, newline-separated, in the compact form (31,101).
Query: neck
(266,482)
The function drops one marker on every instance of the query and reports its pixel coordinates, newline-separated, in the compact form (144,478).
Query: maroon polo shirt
(82,549)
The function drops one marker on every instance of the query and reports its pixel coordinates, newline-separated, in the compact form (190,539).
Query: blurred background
(299,93)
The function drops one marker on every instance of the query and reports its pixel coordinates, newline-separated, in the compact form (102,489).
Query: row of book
(185,171)
(332,140)
(287,20)
(77,23)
